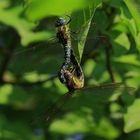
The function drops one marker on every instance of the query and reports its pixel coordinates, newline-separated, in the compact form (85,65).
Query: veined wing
(87,97)
(52,42)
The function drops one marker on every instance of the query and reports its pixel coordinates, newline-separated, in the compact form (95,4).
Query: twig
(108,50)
(108,65)
(8,55)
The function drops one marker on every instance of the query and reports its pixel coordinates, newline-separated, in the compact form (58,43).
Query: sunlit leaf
(82,22)
(131,25)
(40,9)
(137,41)
(80,123)
(12,95)
(128,59)
(133,78)
(4,3)
(133,6)
(89,67)
(5,92)
(11,17)
(131,118)
(123,41)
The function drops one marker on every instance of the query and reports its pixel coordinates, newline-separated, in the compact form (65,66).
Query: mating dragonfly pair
(71,73)
(72,76)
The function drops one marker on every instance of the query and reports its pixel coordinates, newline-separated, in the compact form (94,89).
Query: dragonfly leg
(69,19)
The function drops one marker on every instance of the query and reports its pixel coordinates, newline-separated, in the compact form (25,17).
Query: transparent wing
(87,97)
(53,42)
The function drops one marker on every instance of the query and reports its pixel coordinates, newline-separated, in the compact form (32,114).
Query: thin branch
(108,50)
(108,65)
(7,56)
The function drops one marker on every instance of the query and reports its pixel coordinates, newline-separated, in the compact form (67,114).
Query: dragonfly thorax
(63,35)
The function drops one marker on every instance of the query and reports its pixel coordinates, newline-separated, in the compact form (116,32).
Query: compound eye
(60,22)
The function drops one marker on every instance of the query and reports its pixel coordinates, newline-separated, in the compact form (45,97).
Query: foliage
(107,45)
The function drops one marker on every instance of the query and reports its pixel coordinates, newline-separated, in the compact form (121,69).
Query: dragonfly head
(68,74)
(60,22)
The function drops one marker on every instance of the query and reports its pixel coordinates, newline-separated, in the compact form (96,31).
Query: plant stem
(8,55)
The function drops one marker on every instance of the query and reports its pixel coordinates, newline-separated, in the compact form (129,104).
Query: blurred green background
(107,44)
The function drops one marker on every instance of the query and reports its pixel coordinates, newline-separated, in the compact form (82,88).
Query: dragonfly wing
(94,38)
(89,109)
(49,43)
(111,87)
(55,108)
(88,97)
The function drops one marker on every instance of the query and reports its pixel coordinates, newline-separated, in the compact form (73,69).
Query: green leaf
(137,39)
(130,23)
(40,9)
(11,17)
(123,41)
(133,6)
(5,92)
(82,21)
(120,27)
(12,95)
(128,59)
(79,123)
(131,117)
(101,23)
(120,42)
(115,3)
(4,3)
(89,67)
(133,77)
